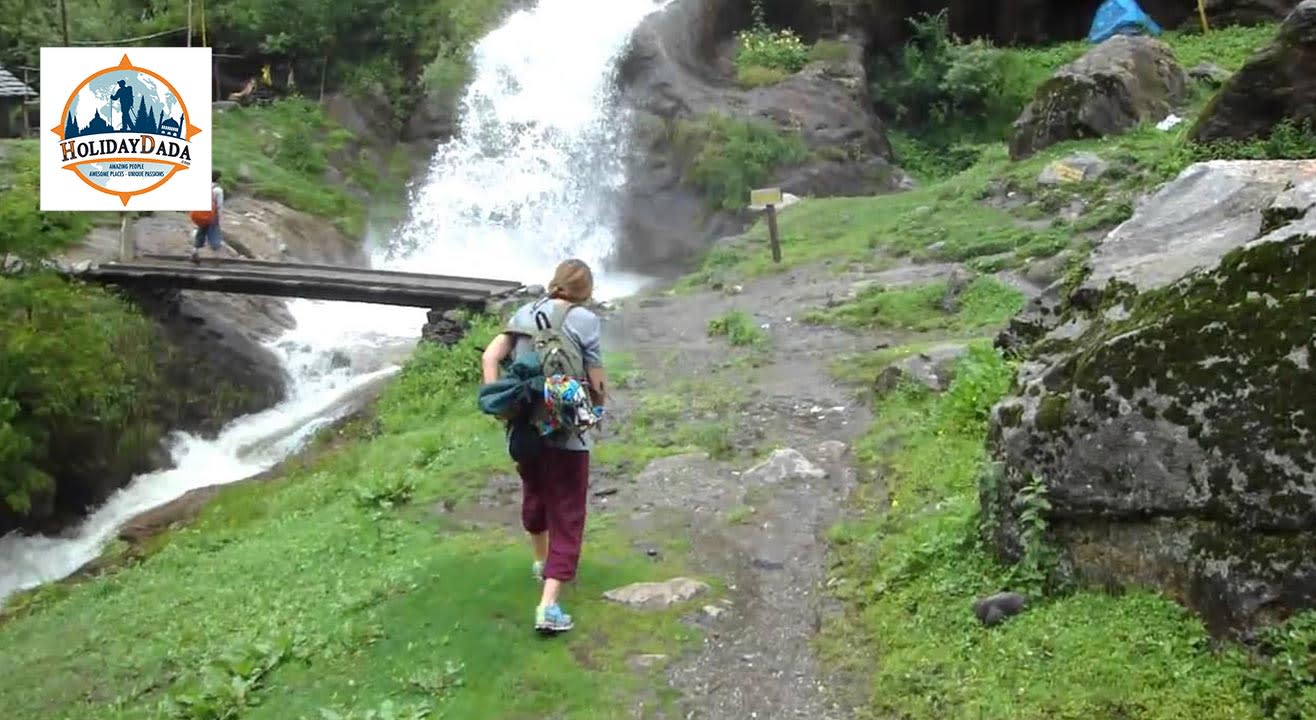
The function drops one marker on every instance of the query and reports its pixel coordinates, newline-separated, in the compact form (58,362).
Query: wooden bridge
(316,282)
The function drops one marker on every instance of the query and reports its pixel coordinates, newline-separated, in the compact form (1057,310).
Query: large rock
(1277,84)
(1118,84)
(1167,409)
(677,70)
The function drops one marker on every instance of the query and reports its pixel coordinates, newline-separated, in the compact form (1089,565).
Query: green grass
(910,564)
(739,328)
(727,157)
(983,303)
(338,588)
(283,152)
(680,416)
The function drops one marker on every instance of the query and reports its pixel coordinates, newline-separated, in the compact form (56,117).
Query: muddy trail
(755,513)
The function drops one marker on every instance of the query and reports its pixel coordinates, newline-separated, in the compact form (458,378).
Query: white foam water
(532,177)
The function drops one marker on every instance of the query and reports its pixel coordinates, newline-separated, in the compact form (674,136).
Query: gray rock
(1191,222)
(1164,413)
(832,451)
(657,595)
(1292,204)
(934,368)
(1118,84)
(784,465)
(1208,73)
(1274,85)
(668,81)
(221,106)
(992,610)
(1079,167)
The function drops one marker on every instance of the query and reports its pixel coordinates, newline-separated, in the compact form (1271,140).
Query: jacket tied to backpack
(545,389)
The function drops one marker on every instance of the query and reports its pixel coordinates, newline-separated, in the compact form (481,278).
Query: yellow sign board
(765,196)
(1068,173)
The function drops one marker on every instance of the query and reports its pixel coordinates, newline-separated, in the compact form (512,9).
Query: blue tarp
(1121,17)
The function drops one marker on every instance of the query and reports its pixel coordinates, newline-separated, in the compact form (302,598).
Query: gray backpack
(558,353)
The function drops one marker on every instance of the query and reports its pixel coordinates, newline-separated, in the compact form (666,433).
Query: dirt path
(758,659)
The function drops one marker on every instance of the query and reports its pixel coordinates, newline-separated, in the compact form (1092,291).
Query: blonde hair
(572,281)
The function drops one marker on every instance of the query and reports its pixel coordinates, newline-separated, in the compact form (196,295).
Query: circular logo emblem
(125,131)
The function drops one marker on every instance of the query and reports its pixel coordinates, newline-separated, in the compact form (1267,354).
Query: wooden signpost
(768,199)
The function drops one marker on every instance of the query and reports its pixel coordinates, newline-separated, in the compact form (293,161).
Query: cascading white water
(536,173)
(531,178)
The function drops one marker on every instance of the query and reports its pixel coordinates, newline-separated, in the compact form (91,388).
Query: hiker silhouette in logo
(125,97)
(550,392)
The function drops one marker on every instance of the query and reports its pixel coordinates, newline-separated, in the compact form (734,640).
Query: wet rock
(657,595)
(444,327)
(784,465)
(1117,85)
(1209,74)
(934,368)
(1162,411)
(1276,84)
(992,610)
(1079,167)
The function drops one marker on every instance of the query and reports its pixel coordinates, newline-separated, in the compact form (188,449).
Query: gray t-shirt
(583,327)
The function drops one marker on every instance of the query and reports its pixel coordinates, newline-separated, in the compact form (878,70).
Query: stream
(532,177)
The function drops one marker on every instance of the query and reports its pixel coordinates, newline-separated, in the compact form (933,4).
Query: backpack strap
(556,318)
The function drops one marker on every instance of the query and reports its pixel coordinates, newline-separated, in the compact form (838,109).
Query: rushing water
(531,178)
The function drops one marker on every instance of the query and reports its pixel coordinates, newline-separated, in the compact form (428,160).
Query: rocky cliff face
(1164,401)
(679,69)
(1278,84)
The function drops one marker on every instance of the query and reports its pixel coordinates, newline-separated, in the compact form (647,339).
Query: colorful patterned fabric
(568,406)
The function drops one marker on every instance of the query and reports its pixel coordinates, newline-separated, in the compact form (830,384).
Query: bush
(945,91)
(780,50)
(727,157)
(25,231)
(738,328)
(76,376)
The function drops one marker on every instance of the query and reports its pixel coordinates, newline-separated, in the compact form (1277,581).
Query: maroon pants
(555,486)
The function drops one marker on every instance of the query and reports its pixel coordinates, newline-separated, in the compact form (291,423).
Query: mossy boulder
(1180,409)
(1115,86)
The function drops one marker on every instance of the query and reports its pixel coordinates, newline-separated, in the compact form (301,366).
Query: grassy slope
(908,560)
(332,588)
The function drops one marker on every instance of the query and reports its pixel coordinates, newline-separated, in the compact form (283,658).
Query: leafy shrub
(946,91)
(1288,140)
(76,378)
(27,232)
(779,50)
(729,157)
(738,328)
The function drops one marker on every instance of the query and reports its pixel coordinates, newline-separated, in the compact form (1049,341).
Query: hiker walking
(207,221)
(551,395)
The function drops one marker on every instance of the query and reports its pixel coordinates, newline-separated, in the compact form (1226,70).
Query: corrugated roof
(11,86)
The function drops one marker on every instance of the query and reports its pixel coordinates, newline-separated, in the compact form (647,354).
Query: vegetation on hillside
(399,598)
(349,42)
(728,157)
(76,372)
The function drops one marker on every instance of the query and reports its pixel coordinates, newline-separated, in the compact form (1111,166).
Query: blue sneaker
(551,620)
(537,569)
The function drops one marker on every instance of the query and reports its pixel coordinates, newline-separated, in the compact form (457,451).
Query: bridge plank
(317,282)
